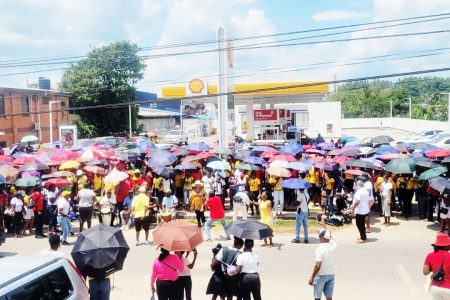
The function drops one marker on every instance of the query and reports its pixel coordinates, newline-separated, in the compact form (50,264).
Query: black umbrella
(350,152)
(446,160)
(360,164)
(381,139)
(164,172)
(241,154)
(34,167)
(249,229)
(100,251)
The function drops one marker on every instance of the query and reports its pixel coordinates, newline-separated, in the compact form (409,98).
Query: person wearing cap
(197,198)
(63,207)
(434,261)
(322,277)
(125,214)
(361,209)
(169,202)
(140,207)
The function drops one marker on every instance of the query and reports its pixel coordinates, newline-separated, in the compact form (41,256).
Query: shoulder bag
(439,275)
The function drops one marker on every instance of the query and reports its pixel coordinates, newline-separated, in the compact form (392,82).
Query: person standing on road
(369,187)
(278,195)
(386,196)
(140,207)
(247,267)
(265,207)
(86,205)
(240,202)
(17,205)
(255,188)
(38,199)
(184,277)
(301,217)
(165,273)
(63,209)
(55,242)
(217,213)
(361,209)
(197,198)
(322,277)
(439,258)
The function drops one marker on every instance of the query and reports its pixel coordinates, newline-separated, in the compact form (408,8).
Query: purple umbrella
(324,165)
(30,174)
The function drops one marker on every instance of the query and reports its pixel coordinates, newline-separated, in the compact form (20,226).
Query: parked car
(443,143)
(428,139)
(35,277)
(424,134)
(175,137)
(113,141)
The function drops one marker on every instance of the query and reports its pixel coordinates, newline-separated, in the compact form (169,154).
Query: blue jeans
(323,284)
(330,202)
(208,227)
(66,227)
(186,194)
(99,289)
(301,218)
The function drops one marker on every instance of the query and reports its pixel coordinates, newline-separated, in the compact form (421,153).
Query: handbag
(439,275)
(231,269)
(10,212)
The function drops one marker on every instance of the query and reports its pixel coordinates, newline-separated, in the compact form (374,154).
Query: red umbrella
(341,159)
(355,172)
(316,159)
(60,157)
(6,158)
(24,160)
(269,154)
(437,153)
(284,157)
(176,149)
(59,182)
(306,147)
(178,236)
(314,151)
(204,155)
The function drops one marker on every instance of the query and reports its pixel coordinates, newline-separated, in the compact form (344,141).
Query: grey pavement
(388,267)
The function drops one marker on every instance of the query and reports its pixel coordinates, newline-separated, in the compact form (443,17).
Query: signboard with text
(262,115)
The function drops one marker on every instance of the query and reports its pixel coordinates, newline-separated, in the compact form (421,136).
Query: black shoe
(72,234)
(38,237)
(295,241)
(65,243)
(306,241)
(43,235)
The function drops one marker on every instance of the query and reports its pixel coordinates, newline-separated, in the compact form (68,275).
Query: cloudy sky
(59,28)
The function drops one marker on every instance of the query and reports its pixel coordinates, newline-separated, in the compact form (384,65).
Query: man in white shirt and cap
(240,202)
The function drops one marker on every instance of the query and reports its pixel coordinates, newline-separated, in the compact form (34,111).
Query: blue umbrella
(218,165)
(348,138)
(161,159)
(262,149)
(300,166)
(146,144)
(291,149)
(198,147)
(416,154)
(354,143)
(185,167)
(295,183)
(2,180)
(386,150)
(255,160)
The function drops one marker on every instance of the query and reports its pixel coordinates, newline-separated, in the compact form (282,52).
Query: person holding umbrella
(165,273)
(140,207)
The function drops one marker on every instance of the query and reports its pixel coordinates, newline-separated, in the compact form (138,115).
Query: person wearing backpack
(227,257)
(438,262)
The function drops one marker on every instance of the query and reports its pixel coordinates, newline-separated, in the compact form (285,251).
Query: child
(217,283)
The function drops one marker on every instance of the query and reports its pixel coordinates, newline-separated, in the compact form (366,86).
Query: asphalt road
(388,267)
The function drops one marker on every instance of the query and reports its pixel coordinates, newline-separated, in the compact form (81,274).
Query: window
(25,104)
(31,291)
(59,283)
(46,100)
(2,105)
(302,119)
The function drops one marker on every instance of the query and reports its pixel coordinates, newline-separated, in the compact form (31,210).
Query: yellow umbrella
(70,164)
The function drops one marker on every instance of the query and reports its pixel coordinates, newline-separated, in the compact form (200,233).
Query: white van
(36,277)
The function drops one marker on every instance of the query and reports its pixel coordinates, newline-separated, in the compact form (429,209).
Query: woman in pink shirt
(165,273)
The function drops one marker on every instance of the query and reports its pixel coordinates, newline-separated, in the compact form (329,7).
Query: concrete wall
(409,125)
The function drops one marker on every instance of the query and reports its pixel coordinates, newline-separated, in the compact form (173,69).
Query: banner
(265,115)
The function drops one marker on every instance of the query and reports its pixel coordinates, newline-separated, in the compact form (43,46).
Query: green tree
(105,76)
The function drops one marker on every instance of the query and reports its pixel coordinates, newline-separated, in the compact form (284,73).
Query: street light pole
(50,123)
(410,110)
(129,119)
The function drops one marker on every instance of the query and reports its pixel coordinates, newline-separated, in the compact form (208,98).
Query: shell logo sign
(196,86)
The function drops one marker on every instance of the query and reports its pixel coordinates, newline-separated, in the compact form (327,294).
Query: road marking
(404,276)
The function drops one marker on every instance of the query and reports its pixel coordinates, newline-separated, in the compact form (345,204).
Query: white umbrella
(29,139)
(280,163)
(115,176)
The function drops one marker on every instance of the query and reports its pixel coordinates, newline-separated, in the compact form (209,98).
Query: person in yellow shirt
(140,207)
(329,189)
(179,183)
(410,187)
(98,183)
(197,197)
(278,194)
(158,188)
(188,180)
(255,187)
(377,189)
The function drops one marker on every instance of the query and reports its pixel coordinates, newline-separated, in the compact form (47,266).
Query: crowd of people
(159,185)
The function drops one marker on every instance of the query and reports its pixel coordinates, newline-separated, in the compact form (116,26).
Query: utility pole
(50,122)
(129,119)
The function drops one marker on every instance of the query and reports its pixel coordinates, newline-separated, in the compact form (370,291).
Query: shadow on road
(5,254)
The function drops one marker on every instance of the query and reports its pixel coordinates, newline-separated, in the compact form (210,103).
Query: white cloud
(339,15)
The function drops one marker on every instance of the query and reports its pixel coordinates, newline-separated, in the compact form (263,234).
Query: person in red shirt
(121,192)
(217,213)
(38,200)
(434,261)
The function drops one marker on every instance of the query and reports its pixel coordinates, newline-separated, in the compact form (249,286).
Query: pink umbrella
(23,160)
(6,158)
(314,151)
(30,173)
(316,158)
(392,156)
(285,157)
(115,176)
(269,154)
(435,153)
(341,159)
(355,172)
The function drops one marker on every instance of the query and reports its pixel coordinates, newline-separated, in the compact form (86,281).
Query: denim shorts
(323,284)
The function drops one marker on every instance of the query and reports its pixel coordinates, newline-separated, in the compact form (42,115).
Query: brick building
(18,117)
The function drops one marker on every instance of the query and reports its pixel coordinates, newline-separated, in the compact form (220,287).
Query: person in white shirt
(361,209)
(184,281)
(207,181)
(169,203)
(386,196)
(241,182)
(302,215)
(108,206)
(86,205)
(63,208)
(17,204)
(247,265)
(369,187)
(240,202)
(322,277)
(55,242)
(167,184)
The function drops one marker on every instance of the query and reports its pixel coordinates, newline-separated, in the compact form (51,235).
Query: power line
(118,105)
(27,62)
